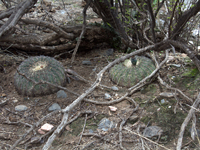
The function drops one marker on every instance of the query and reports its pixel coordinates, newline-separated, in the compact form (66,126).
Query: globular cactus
(127,74)
(39,68)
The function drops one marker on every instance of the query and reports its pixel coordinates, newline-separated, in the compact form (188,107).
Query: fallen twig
(83,31)
(186,121)
(146,138)
(83,129)
(33,127)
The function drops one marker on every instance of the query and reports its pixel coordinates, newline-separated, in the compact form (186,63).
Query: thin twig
(171,19)
(83,31)
(120,134)
(83,129)
(152,23)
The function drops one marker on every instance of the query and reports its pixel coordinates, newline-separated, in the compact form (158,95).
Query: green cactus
(132,71)
(39,68)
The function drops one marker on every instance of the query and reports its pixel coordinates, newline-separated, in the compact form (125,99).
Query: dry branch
(186,121)
(17,13)
(51,26)
(83,31)
(152,23)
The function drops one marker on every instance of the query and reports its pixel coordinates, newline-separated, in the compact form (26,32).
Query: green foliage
(38,69)
(191,73)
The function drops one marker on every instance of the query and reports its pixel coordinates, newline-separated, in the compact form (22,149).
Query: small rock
(68,128)
(106,124)
(3,102)
(86,62)
(54,107)
(114,88)
(107,96)
(35,139)
(91,131)
(134,118)
(152,131)
(162,101)
(46,127)
(61,94)
(112,108)
(167,94)
(40,131)
(183,55)
(3,95)
(191,42)
(20,108)
(15,101)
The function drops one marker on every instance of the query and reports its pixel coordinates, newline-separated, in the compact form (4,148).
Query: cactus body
(39,68)
(127,74)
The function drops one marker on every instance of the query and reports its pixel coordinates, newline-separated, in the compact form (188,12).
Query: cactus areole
(132,71)
(39,69)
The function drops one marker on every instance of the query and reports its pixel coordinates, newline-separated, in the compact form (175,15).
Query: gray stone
(162,101)
(114,88)
(86,62)
(134,118)
(61,94)
(106,124)
(152,131)
(91,131)
(54,107)
(20,108)
(167,94)
(107,96)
